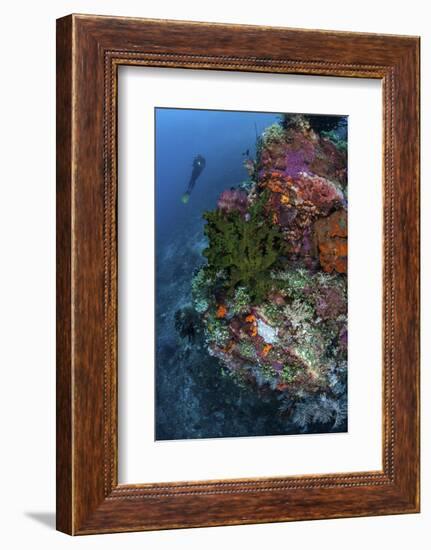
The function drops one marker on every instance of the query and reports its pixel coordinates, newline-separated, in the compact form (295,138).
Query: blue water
(221,137)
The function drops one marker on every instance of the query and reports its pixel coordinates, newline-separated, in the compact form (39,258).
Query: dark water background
(193,399)
(221,137)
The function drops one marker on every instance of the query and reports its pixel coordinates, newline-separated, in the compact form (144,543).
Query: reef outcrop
(272,295)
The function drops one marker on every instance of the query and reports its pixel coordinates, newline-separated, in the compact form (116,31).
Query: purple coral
(343,338)
(233,200)
(297,161)
(330,303)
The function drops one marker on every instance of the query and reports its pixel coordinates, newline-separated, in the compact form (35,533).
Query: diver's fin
(185,198)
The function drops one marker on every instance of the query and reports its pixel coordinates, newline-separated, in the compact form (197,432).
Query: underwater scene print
(251,273)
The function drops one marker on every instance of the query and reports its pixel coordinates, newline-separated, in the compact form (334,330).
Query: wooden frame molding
(89,51)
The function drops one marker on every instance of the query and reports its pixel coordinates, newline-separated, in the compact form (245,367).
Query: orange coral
(252,319)
(266,349)
(221,311)
(285,199)
(331,237)
(229,346)
(275,186)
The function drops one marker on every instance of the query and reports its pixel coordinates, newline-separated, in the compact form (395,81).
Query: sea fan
(302,415)
(341,411)
(320,409)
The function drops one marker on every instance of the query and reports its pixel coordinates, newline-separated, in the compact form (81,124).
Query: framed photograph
(223,356)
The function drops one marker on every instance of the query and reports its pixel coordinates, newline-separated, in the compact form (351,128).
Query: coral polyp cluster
(273,294)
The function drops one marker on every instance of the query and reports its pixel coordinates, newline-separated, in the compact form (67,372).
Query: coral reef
(272,296)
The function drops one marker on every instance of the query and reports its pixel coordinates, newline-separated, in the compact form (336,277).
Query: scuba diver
(198,166)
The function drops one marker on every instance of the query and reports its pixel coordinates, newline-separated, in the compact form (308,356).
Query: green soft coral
(244,249)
